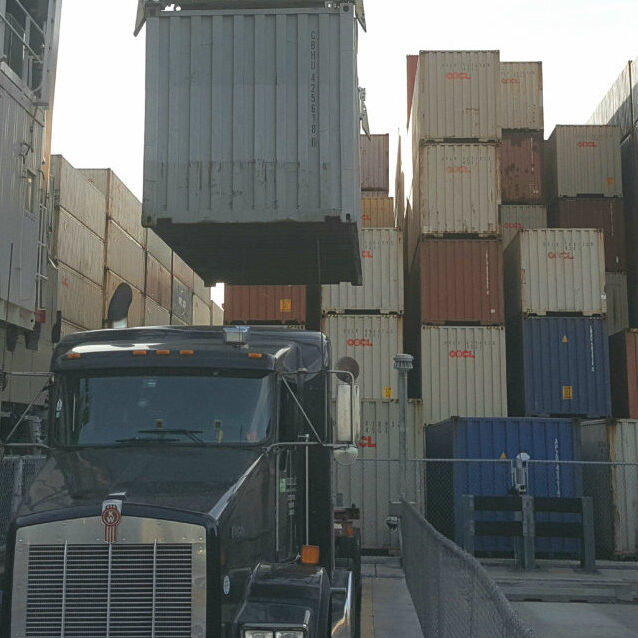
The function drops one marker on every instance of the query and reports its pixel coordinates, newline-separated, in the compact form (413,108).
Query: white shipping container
(201,312)
(136,309)
(373,480)
(456,96)
(375,162)
(121,205)
(79,299)
(155,315)
(79,247)
(555,270)
(520,217)
(77,195)
(382,266)
(372,340)
(616,107)
(522,96)
(159,249)
(615,488)
(463,372)
(125,256)
(583,160)
(617,302)
(217,315)
(200,289)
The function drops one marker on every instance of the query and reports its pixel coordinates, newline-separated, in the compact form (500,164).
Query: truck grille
(109,591)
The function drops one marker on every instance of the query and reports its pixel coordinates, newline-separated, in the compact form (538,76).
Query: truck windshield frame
(168,406)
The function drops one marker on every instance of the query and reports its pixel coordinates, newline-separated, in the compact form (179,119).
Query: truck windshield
(162,408)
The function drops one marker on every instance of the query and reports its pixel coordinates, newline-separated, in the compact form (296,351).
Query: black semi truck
(187,491)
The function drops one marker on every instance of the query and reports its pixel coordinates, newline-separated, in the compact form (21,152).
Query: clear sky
(583,44)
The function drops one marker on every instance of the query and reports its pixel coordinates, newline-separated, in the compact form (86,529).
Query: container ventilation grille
(110,591)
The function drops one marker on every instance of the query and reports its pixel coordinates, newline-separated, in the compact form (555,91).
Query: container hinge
(363,112)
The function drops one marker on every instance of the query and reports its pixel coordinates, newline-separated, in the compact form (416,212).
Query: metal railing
(452,593)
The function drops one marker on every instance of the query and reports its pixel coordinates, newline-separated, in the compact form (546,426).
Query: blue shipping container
(558,366)
(493,439)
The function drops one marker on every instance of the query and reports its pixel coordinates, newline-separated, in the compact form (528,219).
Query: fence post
(468,523)
(588,544)
(529,533)
(403,363)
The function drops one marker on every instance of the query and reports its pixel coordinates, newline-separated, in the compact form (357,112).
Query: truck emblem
(111,517)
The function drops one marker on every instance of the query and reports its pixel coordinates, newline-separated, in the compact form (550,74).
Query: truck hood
(187,478)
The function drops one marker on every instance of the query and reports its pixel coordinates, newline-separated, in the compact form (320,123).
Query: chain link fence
(452,593)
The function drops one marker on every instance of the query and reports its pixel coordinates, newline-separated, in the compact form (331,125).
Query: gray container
(521,217)
(124,256)
(463,372)
(251,160)
(372,340)
(456,96)
(182,307)
(613,488)
(382,289)
(616,107)
(79,299)
(375,162)
(617,302)
(373,480)
(522,96)
(555,270)
(583,160)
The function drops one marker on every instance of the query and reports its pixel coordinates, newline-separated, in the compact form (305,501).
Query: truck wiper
(191,434)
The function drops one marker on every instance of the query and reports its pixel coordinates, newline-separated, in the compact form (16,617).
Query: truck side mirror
(348,417)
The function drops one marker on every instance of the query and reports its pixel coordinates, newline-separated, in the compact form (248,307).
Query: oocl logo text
(356,343)
(586,144)
(458,76)
(462,354)
(458,169)
(510,81)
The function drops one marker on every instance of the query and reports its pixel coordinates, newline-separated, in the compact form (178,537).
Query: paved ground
(386,607)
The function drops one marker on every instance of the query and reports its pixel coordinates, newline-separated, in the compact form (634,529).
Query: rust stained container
(377,212)
(605,213)
(265,304)
(521,168)
(375,162)
(461,281)
(623,355)
(522,95)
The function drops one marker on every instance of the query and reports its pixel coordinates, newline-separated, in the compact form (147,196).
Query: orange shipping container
(461,281)
(265,304)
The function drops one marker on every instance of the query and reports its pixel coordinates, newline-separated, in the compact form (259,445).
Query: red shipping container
(521,169)
(265,304)
(461,281)
(604,213)
(623,355)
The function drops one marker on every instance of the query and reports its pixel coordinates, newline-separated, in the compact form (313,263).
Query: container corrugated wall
(155,315)
(623,350)
(158,282)
(201,312)
(200,289)
(373,480)
(616,107)
(377,212)
(521,168)
(372,341)
(159,249)
(270,304)
(456,96)
(136,309)
(583,160)
(79,299)
(604,213)
(617,318)
(375,162)
(515,218)
(382,290)
(522,95)
(555,270)
(463,372)
(461,281)
(183,271)
(124,256)
(457,191)
(79,247)
(614,489)
(558,366)
(217,314)
(182,304)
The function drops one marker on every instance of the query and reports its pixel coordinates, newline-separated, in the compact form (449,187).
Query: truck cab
(187,490)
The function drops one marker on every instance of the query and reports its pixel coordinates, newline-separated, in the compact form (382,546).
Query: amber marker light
(140,353)
(255,355)
(310,555)
(162,353)
(187,353)
(73,355)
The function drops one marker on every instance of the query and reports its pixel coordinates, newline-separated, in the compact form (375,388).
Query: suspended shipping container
(616,107)
(521,168)
(377,212)
(623,354)
(158,282)
(456,96)
(583,160)
(372,341)
(558,366)
(555,270)
(604,213)
(265,304)
(461,281)
(267,192)
(494,439)
(155,315)
(463,372)
(515,218)
(614,488)
(79,299)
(617,318)
(136,309)
(125,256)
(373,480)
(522,96)
(375,162)
(382,289)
